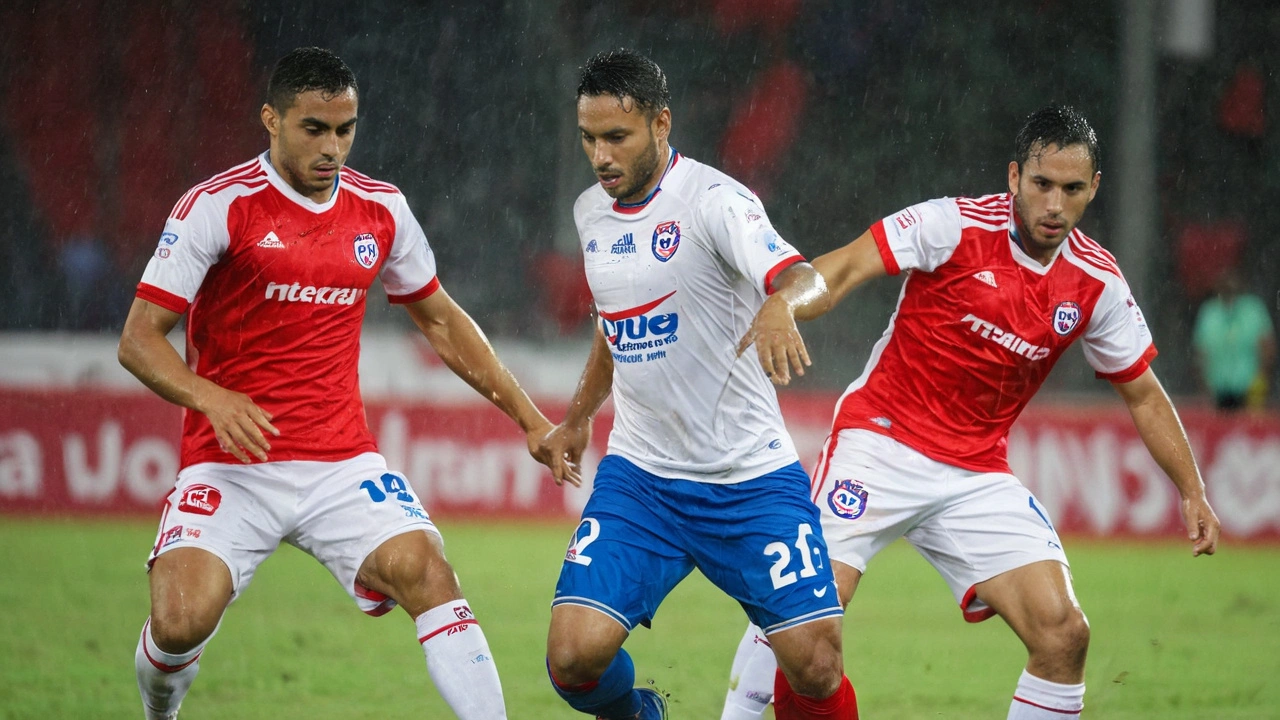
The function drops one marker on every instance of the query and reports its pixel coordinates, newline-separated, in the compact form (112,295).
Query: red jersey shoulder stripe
(243,169)
(250,176)
(366,183)
(1095,255)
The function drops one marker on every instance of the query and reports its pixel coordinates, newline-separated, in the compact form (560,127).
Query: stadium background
(836,113)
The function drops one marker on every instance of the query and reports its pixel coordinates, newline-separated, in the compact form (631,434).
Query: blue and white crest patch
(848,499)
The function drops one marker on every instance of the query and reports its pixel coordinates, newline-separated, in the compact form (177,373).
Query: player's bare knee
(178,633)
(819,677)
(1065,638)
(572,663)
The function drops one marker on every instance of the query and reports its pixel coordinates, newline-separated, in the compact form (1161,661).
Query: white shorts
(337,512)
(971,526)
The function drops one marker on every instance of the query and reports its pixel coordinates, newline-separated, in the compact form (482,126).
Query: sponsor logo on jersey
(987,277)
(463,612)
(1065,317)
(775,444)
(162,252)
(666,240)
(171,536)
(1137,312)
(296,292)
(753,216)
(200,500)
(637,329)
(270,241)
(366,250)
(625,245)
(905,219)
(848,499)
(1005,339)
(592,246)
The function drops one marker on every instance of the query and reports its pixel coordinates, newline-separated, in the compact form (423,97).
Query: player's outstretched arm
(569,439)
(799,293)
(1161,431)
(144,351)
(847,267)
(466,351)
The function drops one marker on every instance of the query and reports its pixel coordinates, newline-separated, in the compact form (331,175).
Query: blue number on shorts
(391,484)
(783,553)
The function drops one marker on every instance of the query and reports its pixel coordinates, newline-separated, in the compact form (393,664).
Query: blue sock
(612,696)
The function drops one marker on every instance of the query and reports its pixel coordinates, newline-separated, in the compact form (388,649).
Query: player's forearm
(594,386)
(466,351)
(847,267)
(804,291)
(158,366)
(1161,431)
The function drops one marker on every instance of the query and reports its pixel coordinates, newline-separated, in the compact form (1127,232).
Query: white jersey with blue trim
(677,280)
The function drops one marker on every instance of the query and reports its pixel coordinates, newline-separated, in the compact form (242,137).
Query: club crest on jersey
(200,500)
(1065,317)
(666,240)
(848,499)
(366,250)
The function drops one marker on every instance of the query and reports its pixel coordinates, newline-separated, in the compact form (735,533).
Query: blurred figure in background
(1235,345)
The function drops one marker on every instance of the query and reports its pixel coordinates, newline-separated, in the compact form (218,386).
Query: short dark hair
(626,73)
(307,69)
(1057,125)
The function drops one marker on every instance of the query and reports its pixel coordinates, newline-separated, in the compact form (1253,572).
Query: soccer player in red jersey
(997,288)
(271,261)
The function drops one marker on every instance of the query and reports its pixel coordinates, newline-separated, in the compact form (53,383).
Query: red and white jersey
(978,327)
(275,286)
(677,280)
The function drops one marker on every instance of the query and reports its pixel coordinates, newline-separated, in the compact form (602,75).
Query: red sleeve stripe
(1084,243)
(886,253)
(246,171)
(427,291)
(777,269)
(445,628)
(1134,371)
(163,298)
(1095,256)
(997,200)
(183,208)
(824,464)
(364,182)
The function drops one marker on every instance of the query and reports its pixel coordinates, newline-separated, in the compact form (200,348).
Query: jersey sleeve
(409,274)
(188,247)
(739,231)
(1117,342)
(921,237)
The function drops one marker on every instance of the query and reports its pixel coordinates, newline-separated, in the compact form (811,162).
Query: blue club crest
(848,499)
(366,248)
(666,240)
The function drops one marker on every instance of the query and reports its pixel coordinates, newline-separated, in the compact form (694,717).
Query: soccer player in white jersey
(271,262)
(700,471)
(997,289)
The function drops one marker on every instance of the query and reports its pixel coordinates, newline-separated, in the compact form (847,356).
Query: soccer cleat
(653,705)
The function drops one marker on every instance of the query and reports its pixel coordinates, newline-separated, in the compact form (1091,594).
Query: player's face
(310,140)
(626,148)
(1050,193)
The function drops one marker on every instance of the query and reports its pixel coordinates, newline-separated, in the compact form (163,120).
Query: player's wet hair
(626,73)
(1057,125)
(307,69)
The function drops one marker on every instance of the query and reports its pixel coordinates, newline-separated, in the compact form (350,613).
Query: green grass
(1172,637)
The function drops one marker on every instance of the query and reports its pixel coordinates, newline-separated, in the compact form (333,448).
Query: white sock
(460,663)
(163,678)
(751,679)
(1037,699)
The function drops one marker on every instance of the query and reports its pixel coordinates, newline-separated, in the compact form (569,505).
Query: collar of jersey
(287,190)
(633,208)
(1020,255)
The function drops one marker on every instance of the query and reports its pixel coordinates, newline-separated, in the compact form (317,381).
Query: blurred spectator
(1235,346)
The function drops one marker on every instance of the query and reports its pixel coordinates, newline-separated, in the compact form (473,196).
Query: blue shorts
(760,541)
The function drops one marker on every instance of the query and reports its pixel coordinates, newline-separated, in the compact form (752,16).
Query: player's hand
(778,342)
(561,468)
(1202,524)
(562,449)
(237,422)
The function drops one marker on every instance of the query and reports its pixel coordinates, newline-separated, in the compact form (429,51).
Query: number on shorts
(783,555)
(391,485)
(580,542)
